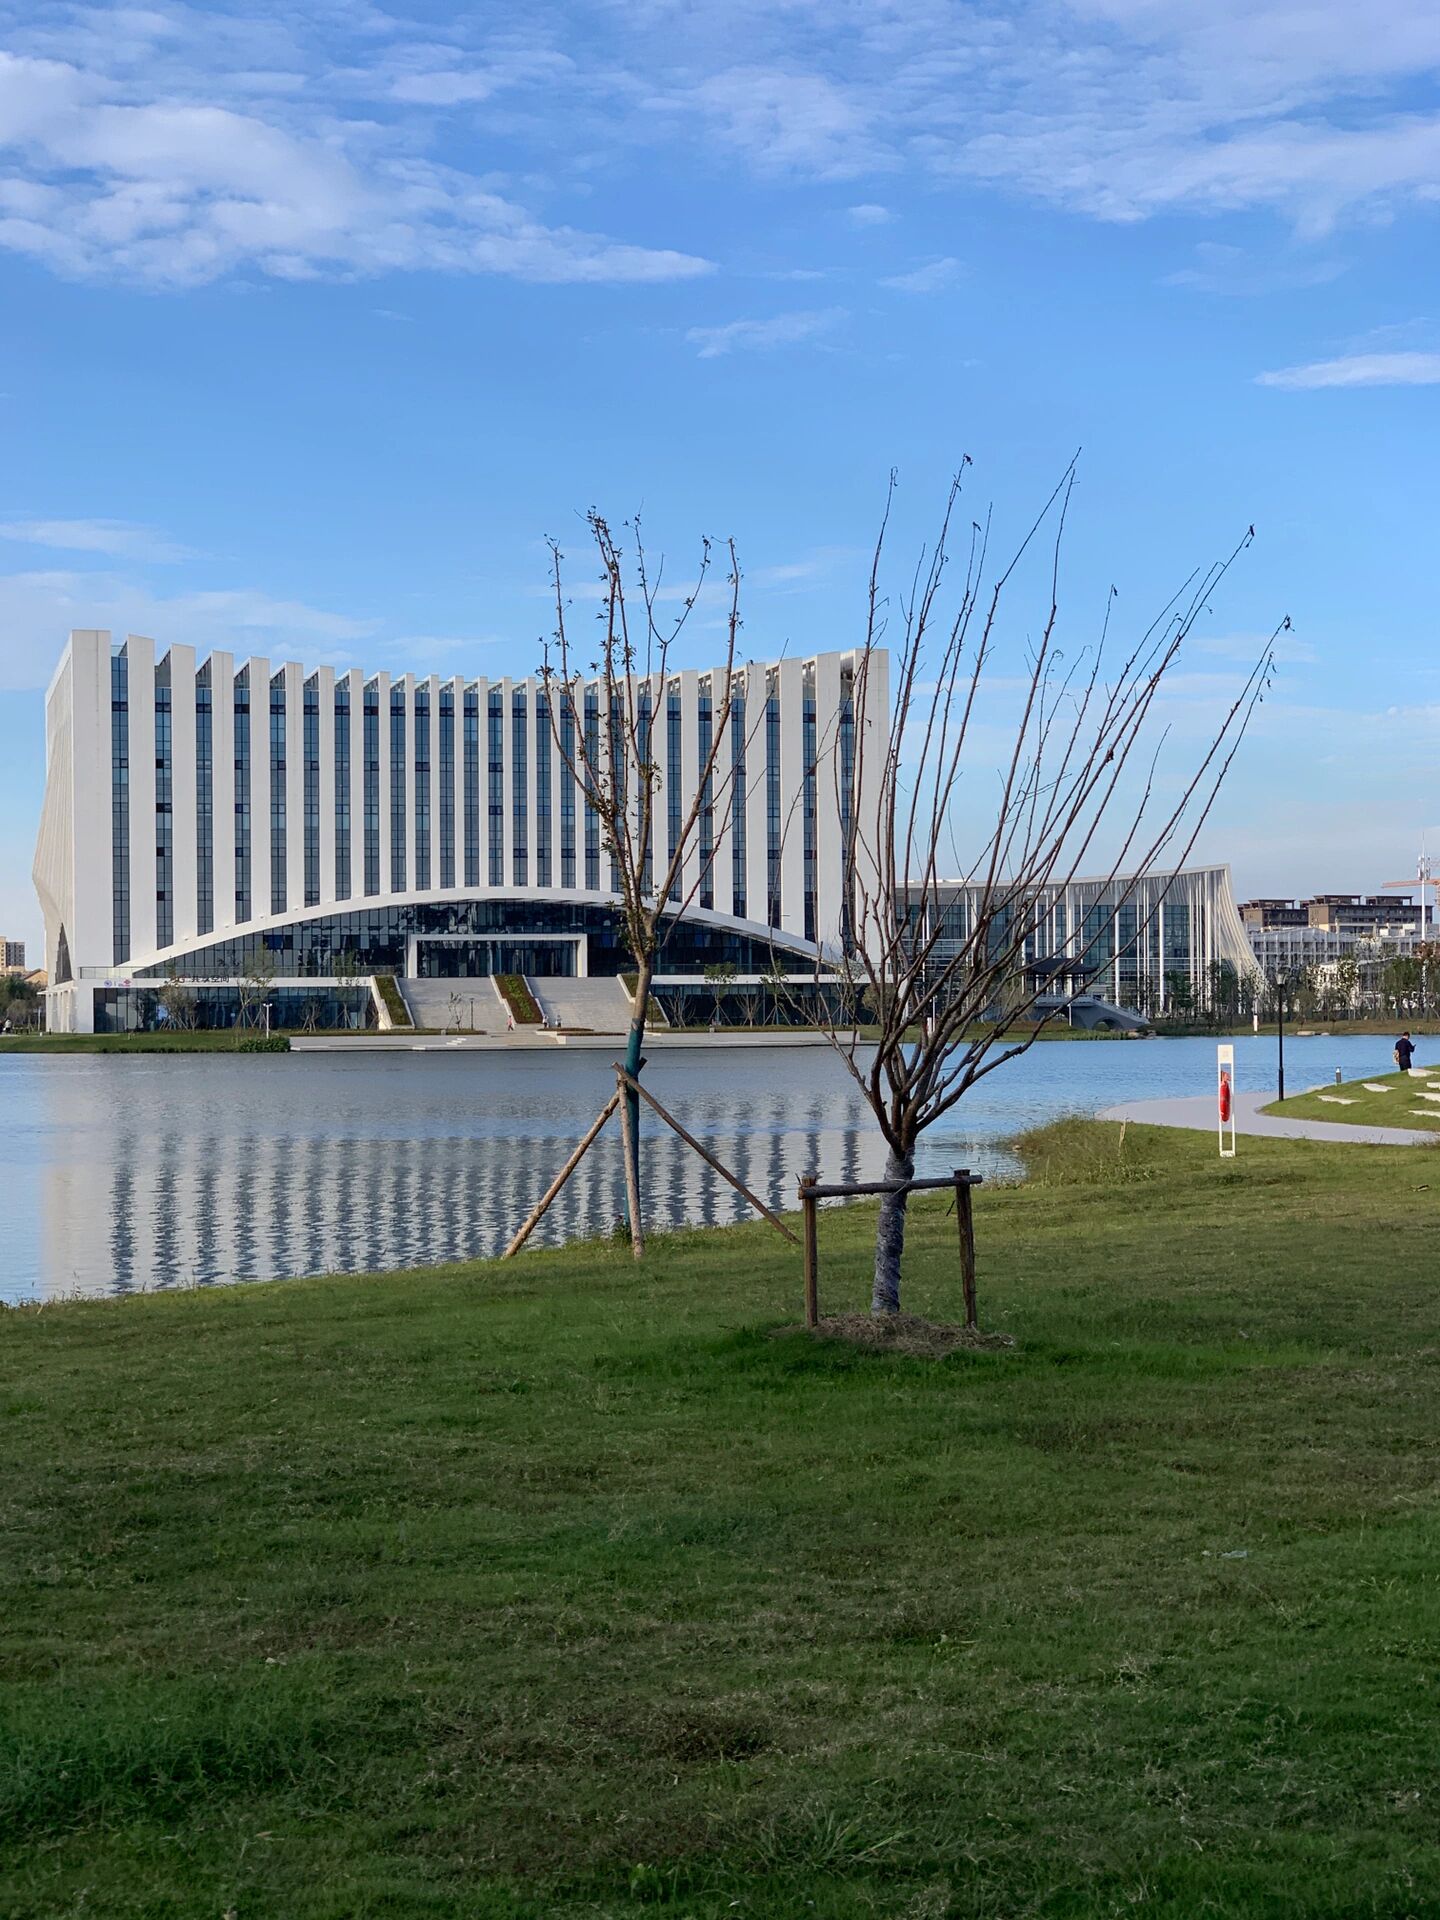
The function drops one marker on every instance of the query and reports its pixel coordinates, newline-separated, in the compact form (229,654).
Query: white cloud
(434,76)
(815,565)
(119,539)
(1359,370)
(786,121)
(762,336)
(1218,268)
(428,649)
(182,191)
(930,278)
(1249,647)
(1118,109)
(38,609)
(177,144)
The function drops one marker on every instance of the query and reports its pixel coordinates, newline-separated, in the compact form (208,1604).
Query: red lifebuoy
(1224,1098)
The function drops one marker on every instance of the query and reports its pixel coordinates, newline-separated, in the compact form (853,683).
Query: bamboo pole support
(538,1212)
(808,1205)
(628,1138)
(705,1154)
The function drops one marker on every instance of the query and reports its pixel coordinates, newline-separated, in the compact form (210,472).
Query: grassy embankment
(1384,1100)
(142,1043)
(563,1589)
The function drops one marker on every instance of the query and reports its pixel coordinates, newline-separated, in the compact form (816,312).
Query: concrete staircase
(481,1009)
(597,1006)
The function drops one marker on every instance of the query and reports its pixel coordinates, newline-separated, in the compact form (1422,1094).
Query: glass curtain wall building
(1149,943)
(207,819)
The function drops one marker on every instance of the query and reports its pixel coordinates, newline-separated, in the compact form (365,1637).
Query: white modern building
(204,819)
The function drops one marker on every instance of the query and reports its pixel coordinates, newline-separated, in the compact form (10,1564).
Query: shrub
(1073,1152)
(258,1043)
(394,1000)
(518,997)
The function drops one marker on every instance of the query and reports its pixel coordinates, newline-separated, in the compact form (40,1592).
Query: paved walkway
(1198,1112)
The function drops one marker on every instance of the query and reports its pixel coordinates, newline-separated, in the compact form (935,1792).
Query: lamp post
(267,1019)
(1280,982)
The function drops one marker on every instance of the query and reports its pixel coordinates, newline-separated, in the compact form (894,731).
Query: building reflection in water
(197,1173)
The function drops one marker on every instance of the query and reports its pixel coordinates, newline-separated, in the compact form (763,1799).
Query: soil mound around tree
(902,1333)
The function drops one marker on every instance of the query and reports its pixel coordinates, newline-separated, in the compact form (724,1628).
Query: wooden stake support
(538,1212)
(705,1154)
(812,1192)
(812,1254)
(618,1103)
(965,1219)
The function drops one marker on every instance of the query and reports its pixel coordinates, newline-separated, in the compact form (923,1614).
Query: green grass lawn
(1401,1104)
(564,1588)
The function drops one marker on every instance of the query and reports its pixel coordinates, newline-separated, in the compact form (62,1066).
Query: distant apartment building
(1290,935)
(12,955)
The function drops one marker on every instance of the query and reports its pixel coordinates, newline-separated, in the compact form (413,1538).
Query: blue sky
(315,321)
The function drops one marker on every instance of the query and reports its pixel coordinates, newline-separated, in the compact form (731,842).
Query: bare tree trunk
(644,974)
(890,1236)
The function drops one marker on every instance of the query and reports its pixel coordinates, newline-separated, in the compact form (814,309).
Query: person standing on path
(1404,1051)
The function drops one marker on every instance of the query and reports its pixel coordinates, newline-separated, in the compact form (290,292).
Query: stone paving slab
(1197,1112)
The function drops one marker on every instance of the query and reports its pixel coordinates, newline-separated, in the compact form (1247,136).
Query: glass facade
(375,939)
(615,758)
(397,790)
(223,1009)
(164,811)
(674,789)
(565,774)
(652,783)
(519,792)
(773,822)
(592,815)
(472,787)
(421,769)
(277,795)
(707,801)
(542,790)
(242,795)
(204,803)
(495,783)
(311,716)
(371,779)
(342,790)
(120,806)
(447,786)
(737,806)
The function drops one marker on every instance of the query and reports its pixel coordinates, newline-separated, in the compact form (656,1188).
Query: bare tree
(177,998)
(719,977)
(606,698)
(254,984)
(947,997)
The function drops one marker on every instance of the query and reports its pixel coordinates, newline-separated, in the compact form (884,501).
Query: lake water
(124,1172)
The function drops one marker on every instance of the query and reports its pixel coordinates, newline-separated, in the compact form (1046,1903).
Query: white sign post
(1225,1099)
